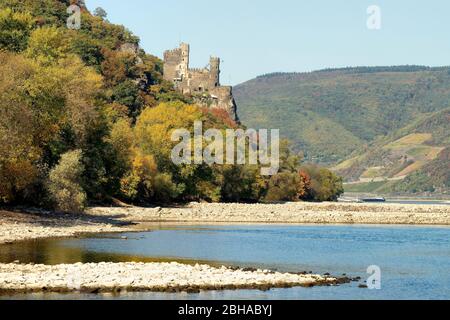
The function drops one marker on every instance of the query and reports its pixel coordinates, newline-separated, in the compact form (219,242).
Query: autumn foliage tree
(15,29)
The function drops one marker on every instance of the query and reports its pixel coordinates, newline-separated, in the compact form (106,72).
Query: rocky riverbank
(29,224)
(152,277)
(298,213)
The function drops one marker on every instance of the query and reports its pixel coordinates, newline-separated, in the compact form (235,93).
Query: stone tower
(214,68)
(184,64)
(176,63)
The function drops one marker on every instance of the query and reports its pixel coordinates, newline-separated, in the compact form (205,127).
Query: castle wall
(200,81)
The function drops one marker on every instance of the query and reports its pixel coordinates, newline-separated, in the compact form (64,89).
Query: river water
(414,261)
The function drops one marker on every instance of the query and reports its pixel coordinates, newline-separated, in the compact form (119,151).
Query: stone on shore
(156,277)
(295,212)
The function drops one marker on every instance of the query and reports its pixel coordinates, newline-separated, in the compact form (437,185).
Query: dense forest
(85,116)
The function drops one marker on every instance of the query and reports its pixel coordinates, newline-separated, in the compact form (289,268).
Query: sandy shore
(152,277)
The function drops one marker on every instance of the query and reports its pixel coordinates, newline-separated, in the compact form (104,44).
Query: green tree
(127,93)
(64,183)
(284,186)
(101,13)
(241,183)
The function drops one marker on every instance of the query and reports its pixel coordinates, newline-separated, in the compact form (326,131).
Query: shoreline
(30,224)
(171,277)
(289,213)
(34,224)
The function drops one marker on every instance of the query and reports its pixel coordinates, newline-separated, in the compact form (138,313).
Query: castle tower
(184,63)
(214,64)
(176,63)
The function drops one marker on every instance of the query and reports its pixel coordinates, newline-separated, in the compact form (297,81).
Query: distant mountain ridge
(361,69)
(338,115)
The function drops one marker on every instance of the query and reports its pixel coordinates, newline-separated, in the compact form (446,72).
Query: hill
(332,114)
(87,117)
(384,129)
(413,159)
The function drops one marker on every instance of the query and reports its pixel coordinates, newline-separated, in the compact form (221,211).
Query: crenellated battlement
(172,52)
(200,70)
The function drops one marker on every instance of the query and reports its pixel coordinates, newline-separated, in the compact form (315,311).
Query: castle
(202,84)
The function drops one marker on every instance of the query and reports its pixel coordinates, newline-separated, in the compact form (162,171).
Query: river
(414,261)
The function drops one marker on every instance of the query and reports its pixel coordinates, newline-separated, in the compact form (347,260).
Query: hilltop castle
(202,84)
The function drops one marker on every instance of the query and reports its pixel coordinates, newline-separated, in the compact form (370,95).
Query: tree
(241,183)
(48,45)
(101,13)
(22,128)
(15,29)
(127,93)
(64,183)
(88,49)
(325,185)
(284,186)
(116,66)
(154,128)
(305,185)
(46,109)
(138,183)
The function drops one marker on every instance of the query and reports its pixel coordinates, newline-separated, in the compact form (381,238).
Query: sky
(255,37)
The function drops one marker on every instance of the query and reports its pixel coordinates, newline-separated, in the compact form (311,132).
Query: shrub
(64,183)
(284,187)
(325,185)
(241,184)
(165,190)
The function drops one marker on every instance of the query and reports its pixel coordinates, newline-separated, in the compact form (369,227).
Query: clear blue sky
(254,37)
